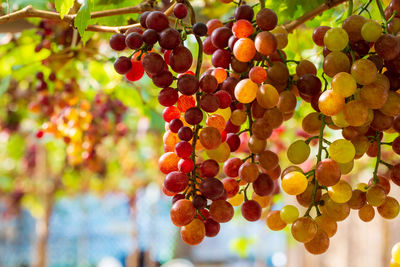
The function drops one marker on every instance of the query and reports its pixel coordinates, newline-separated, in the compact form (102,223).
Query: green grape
(339,120)
(336,39)
(289,214)
(371,31)
(342,151)
(340,192)
(344,84)
(376,196)
(298,152)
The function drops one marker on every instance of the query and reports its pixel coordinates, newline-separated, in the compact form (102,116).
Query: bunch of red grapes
(249,92)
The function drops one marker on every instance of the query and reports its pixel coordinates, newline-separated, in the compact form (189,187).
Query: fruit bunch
(246,95)
(362,103)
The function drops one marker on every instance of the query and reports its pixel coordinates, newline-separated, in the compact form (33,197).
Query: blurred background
(79,148)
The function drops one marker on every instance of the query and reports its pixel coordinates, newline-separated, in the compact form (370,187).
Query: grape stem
(390,166)
(350,10)
(262,4)
(250,127)
(319,158)
(364,8)
(378,158)
(384,21)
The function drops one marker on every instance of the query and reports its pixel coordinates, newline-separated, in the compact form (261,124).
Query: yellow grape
(340,192)
(371,31)
(225,113)
(336,39)
(344,84)
(267,96)
(396,253)
(294,183)
(220,154)
(342,151)
(376,195)
(362,187)
(330,103)
(289,214)
(236,200)
(238,117)
(389,209)
(346,168)
(298,152)
(364,71)
(339,120)
(356,113)
(246,91)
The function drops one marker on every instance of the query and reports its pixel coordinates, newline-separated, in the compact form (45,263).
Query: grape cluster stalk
(215,116)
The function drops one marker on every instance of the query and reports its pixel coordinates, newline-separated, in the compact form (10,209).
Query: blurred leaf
(16,146)
(6,183)
(63,6)
(4,84)
(42,4)
(83,16)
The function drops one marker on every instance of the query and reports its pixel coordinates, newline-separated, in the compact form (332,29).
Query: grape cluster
(363,103)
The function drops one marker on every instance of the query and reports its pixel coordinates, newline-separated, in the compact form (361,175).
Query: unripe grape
(298,152)
(342,151)
(336,39)
(289,214)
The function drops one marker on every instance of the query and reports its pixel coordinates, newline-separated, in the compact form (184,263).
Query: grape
(188,84)
(153,63)
(278,72)
(263,185)
(185,165)
(150,36)
(163,79)
(336,62)
(176,181)
(220,74)
(244,50)
(169,39)
(212,227)
(167,97)
(355,113)
(117,42)
(211,188)
(342,151)
(251,210)
(171,113)
(244,12)
(182,212)
(311,123)
(319,244)
(134,40)
(309,84)
(336,39)
(136,72)
(208,83)
(231,186)
(210,137)
(185,102)
(381,122)
(374,95)
(245,91)
(395,174)
(393,26)
(366,213)
(200,29)
(319,33)
(168,162)
(340,192)
(193,116)
(224,98)
(289,214)
(266,19)
(396,253)
(238,66)
(233,142)
(274,117)
(221,58)
(267,96)
(330,103)
(175,125)
(326,224)
(242,29)
(396,124)
(294,183)
(336,211)
(221,211)
(371,31)
(257,74)
(157,20)
(193,233)
(328,172)
(274,221)
(306,197)
(231,167)
(364,71)
(268,160)
(360,47)
(220,37)
(208,47)
(298,152)
(176,197)
(122,65)
(180,11)
(209,168)
(216,121)
(387,47)
(231,128)
(265,43)
(376,195)
(392,105)
(261,129)
(212,25)
(353,25)
(143,18)
(304,229)
(256,145)
(389,209)
(183,149)
(180,59)
(248,172)
(199,202)
(209,103)
(305,67)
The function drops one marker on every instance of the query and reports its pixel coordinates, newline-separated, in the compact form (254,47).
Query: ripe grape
(274,221)
(309,84)
(211,188)
(364,71)
(376,195)
(231,167)
(336,62)
(371,31)
(168,162)
(340,192)
(245,91)
(355,113)
(387,47)
(176,181)
(244,12)
(330,103)
(289,214)
(134,40)
(389,209)
(180,59)
(153,63)
(306,197)
(319,33)
(298,152)
(319,244)
(180,11)
(251,210)
(212,227)
(268,160)
(157,20)
(233,142)
(231,186)
(209,168)
(342,151)
(221,58)
(210,137)
(263,185)
(220,37)
(304,229)
(169,39)
(193,233)
(244,50)
(193,116)
(248,172)
(242,28)
(353,25)
(366,213)
(328,225)
(122,65)
(117,42)
(150,36)
(182,212)
(294,183)
(267,96)
(221,211)
(185,133)
(209,103)
(200,29)
(266,43)
(336,39)
(266,19)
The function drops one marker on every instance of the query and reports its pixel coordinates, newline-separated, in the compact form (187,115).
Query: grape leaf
(83,16)
(63,6)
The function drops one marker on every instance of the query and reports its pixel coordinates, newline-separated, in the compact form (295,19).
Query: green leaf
(86,36)
(63,6)
(4,84)
(83,16)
